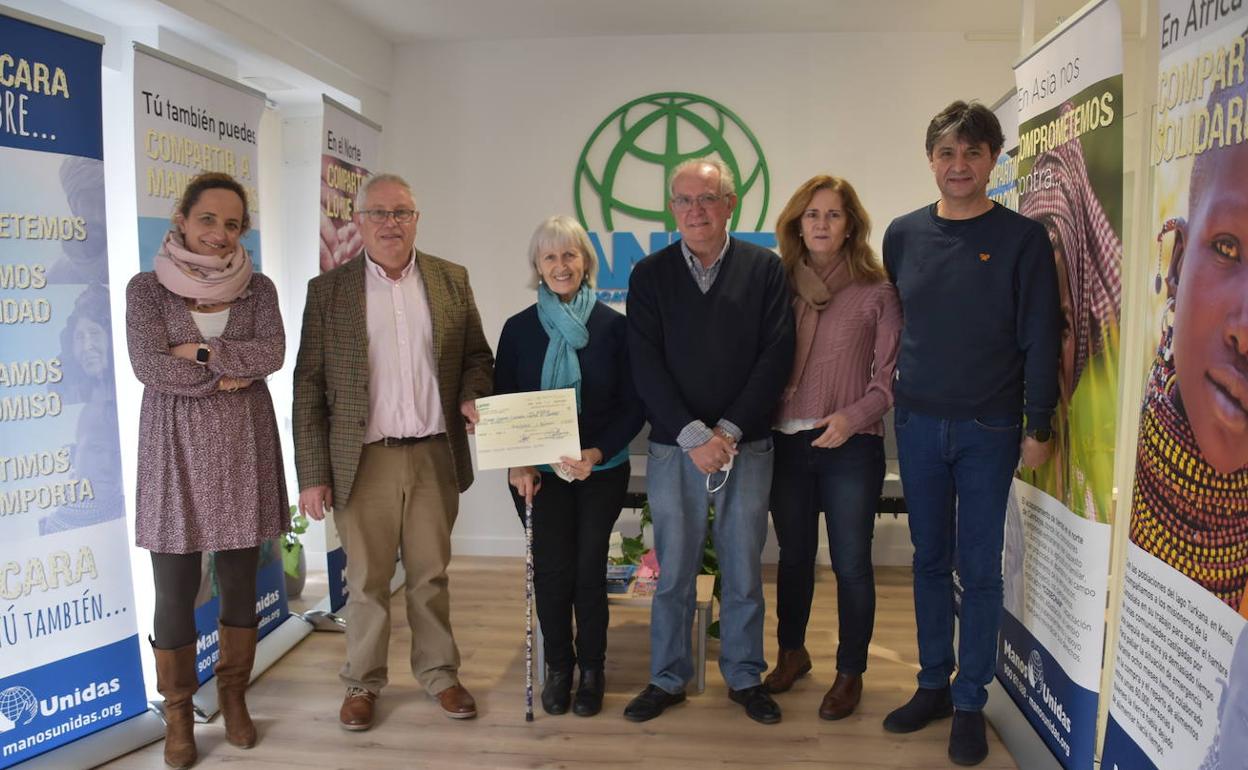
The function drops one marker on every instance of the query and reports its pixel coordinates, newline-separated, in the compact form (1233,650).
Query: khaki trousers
(405,500)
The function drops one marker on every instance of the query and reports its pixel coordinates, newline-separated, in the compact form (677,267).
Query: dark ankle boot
(790,666)
(177,681)
(589,694)
(557,692)
(968,739)
(238,653)
(843,697)
(926,706)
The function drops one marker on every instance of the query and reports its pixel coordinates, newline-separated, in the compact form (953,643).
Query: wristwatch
(201,355)
(1041,434)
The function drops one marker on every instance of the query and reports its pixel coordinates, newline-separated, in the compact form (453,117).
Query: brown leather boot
(791,665)
(238,653)
(841,700)
(177,682)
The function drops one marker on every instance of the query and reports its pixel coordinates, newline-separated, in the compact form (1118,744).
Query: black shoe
(759,705)
(589,693)
(968,741)
(926,706)
(650,703)
(557,692)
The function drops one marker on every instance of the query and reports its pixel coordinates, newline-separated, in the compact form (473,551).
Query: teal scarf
(565,324)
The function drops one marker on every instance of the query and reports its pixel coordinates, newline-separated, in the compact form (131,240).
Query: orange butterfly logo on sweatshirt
(984,256)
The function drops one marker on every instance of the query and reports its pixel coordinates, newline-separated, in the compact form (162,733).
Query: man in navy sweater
(979,351)
(711,343)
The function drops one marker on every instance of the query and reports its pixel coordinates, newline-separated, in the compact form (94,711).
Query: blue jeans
(678,504)
(957,475)
(845,484)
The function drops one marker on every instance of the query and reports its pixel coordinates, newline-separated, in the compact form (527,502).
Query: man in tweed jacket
(391,361)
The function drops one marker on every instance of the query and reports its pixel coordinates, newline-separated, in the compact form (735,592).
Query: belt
(390,441)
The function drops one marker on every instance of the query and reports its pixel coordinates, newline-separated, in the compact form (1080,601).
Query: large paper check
(527,429)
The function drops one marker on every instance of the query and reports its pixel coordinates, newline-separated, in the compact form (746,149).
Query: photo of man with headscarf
(83,260)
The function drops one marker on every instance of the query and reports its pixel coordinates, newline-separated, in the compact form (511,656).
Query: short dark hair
(212,180)
(972,123)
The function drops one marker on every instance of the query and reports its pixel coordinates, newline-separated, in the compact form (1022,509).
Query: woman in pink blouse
(828,433)
(204,331)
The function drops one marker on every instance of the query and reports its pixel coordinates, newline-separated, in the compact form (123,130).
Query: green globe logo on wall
(620,186)
(657,133)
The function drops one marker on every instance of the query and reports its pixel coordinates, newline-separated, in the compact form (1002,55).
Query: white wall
(489,134)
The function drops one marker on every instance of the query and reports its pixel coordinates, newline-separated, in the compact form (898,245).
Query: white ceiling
(404,21)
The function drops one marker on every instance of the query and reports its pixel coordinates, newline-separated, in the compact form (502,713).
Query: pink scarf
(205,278)
(813,290)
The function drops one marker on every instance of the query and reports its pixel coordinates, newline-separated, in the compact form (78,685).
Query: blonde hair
(560,231)
(863,264)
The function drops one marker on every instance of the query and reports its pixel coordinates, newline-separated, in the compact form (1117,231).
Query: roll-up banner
(1069,178)
(1180,683)
(69,645)
(188,121)
(350,144)
(1002,186)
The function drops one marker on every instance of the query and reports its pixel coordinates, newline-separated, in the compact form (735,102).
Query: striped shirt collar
(704,276)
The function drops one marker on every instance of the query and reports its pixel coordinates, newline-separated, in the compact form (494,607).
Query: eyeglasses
(379,216)
(705,200)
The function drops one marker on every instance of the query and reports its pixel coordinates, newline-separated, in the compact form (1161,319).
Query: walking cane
(528,610)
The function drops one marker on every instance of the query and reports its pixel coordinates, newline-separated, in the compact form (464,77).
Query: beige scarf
(813,289)
(205,278)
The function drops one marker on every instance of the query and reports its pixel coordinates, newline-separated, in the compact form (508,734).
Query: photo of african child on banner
(1180,687)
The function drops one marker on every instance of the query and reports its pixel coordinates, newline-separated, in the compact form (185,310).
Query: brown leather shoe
(357,710)
(457,703)
(841,700)
(791,665)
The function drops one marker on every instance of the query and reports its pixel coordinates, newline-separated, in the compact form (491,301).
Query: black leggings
(572,525)
(178,576)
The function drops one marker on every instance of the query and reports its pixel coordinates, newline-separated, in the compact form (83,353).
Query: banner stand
(1017,734)
(323,618)
(103,746)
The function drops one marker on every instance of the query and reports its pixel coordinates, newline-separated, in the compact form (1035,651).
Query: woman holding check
(569,339)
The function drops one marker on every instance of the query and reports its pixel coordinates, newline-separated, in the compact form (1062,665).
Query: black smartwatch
(1043,435)
(201,355)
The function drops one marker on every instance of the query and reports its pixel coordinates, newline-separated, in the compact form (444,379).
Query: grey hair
(727,181)
(560,231)
(376,179)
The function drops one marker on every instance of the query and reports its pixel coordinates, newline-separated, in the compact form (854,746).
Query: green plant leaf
(290,558)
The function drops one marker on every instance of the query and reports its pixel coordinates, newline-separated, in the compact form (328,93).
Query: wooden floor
(295,704)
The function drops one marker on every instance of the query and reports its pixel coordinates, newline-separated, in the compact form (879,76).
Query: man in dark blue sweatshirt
(979,351)
(711,343)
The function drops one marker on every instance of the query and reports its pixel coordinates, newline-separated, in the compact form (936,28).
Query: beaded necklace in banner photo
(1183,511)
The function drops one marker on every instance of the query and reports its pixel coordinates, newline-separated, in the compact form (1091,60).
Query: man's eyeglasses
(705,200)
(379,216)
